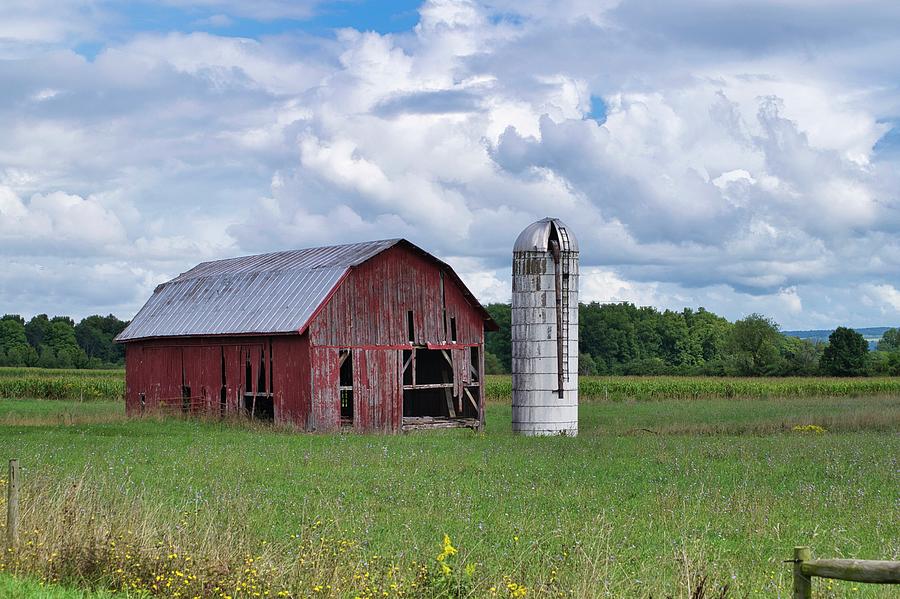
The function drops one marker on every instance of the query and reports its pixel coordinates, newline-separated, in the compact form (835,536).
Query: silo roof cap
(536,236)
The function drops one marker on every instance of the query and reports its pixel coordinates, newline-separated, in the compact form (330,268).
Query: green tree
(492,364)
(13,342)
(95,335)
(36,329)
(846,353)
(675,341)
(60,339)
(586,365)
(883,363)
(499,343)
(890,340)
(708,333)
(753,346)
(801,356)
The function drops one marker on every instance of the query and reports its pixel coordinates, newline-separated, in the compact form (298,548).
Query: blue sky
(742,156)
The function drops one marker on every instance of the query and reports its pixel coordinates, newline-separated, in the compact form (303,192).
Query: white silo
(545,330)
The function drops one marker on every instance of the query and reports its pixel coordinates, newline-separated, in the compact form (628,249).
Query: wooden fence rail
(856,570)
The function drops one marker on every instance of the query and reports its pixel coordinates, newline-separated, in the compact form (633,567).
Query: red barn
(378,336)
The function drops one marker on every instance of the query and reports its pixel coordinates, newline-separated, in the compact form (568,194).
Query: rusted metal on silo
(545,330)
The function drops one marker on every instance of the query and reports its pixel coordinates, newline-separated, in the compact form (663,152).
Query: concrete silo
(545,330)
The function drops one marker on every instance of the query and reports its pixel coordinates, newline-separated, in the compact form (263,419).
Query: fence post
(802,583)
(12,506)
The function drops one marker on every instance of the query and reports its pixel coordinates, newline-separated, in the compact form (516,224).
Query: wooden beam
(411,423)
(856,570)
(802,583)
(471,398)
(408,361)
(429,386)
(448,393)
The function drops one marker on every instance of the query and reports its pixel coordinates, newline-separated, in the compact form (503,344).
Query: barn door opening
(346,387)
(432,395)
(259,401)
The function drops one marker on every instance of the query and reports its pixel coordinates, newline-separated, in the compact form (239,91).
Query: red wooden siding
(325,415)
(369,308)
(134,373)
(162,380)
(234,378)
(202,365)
(377,393)
(291,379)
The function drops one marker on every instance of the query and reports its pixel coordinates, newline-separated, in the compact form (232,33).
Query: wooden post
(12,506)
(802,582)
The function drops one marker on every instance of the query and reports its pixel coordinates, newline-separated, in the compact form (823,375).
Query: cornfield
(499,387)
(89,385)
(47,383)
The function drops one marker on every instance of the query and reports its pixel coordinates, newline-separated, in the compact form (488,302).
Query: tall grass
(499,387)
(74,534)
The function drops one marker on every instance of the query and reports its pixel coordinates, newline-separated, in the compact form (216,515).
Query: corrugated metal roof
(266,293)
(263,294)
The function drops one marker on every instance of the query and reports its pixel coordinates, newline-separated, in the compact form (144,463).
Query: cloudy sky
(742,155)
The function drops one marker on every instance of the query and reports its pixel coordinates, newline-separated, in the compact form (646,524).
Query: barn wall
(378,398)
(159,367)
(370,307)
(368,314)
(291,379)
(325,415)
(133,378)
(162,375)
(202,366)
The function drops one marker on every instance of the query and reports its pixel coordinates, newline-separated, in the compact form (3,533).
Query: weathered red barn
(377,336)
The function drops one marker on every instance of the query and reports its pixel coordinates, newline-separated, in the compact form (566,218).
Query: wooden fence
(856,570)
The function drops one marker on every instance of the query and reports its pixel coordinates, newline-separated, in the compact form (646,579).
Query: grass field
(651,497)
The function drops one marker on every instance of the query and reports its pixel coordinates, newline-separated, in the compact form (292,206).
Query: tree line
(60,343)
(625,339)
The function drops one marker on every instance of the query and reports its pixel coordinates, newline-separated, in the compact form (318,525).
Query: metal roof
(263,294)
(536,236)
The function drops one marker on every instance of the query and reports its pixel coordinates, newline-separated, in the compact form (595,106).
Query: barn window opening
(453,329)
(185,399)
(428,384)
(261,380)
(346,387)
(258,403)
(410,326)
(473,364)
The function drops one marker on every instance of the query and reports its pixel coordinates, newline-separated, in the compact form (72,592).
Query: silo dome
(545,330)
(536,237)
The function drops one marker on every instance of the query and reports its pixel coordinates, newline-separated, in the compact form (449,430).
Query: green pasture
(651,496)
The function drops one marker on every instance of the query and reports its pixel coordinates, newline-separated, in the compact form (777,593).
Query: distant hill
(872,334)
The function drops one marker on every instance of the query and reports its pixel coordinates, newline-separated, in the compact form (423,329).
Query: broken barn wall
(368,313)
